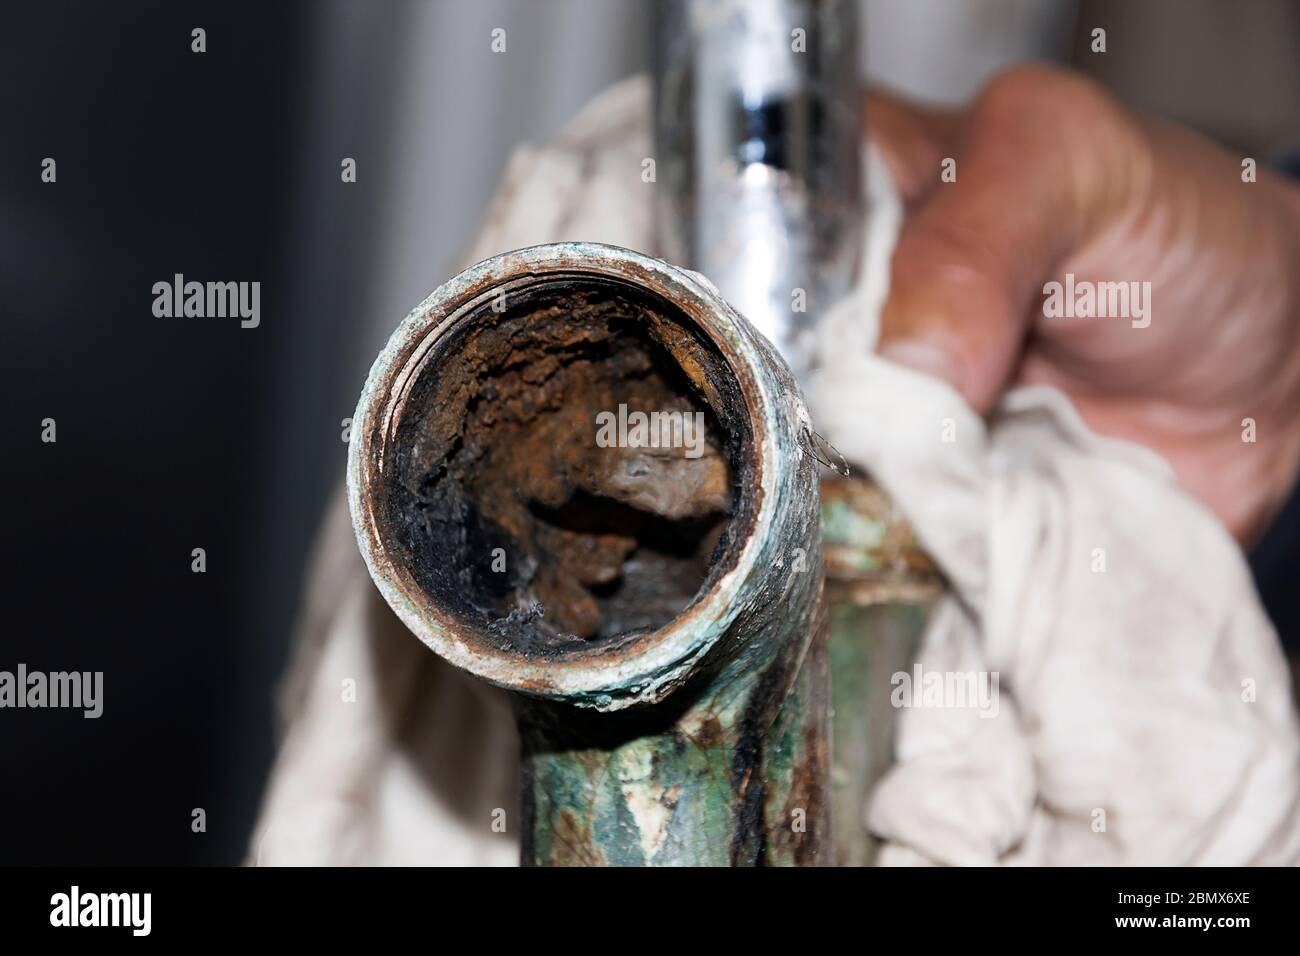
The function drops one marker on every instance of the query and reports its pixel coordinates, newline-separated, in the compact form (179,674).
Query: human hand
(1054,177)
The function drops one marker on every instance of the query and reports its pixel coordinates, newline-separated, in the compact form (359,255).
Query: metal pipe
(758,138)
(662,722)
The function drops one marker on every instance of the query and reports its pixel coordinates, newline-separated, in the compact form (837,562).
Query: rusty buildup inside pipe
(516,519)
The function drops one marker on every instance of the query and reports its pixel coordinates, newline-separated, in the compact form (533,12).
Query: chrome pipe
(758,134)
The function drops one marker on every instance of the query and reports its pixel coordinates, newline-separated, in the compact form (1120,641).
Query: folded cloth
(1141,711)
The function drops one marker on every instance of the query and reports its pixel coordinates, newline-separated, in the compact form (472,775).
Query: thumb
(969,265)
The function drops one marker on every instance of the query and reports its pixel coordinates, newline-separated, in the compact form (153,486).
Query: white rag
(1142,713)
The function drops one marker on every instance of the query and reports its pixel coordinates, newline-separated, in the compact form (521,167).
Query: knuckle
(1038,93)
(1058,120)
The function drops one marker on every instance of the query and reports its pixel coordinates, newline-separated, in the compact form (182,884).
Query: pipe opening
(571,465)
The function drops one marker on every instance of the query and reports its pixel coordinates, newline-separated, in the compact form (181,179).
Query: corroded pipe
(658,615)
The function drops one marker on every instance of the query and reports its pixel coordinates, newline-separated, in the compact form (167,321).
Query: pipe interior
(528,500)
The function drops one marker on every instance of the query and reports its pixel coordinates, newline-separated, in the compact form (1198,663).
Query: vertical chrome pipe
(758,133)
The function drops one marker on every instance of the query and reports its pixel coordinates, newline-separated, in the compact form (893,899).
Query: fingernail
(924,356)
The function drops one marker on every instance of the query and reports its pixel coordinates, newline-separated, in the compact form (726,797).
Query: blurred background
(225,165)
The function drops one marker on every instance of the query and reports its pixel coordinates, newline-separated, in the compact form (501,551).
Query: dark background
(184,433)
(168,161)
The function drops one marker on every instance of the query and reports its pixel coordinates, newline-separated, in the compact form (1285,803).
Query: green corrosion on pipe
(716,780)
(657,611)
(881,586)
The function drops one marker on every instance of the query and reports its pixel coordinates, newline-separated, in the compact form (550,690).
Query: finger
(1035,173)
